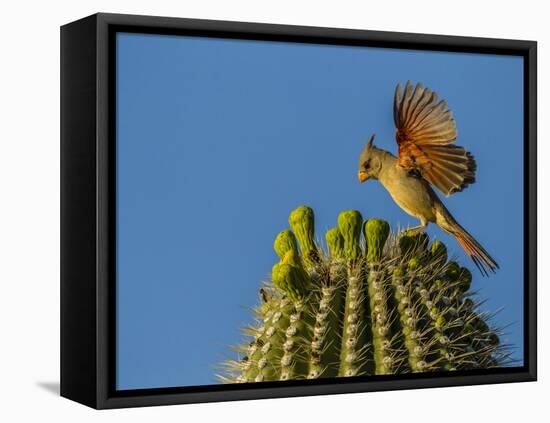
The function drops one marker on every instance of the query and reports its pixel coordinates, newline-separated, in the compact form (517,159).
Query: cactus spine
(393,304)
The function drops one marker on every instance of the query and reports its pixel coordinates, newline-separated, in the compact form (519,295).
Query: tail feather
(481,258)
(479,255)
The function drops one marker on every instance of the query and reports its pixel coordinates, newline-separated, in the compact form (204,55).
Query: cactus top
(302,222)
(411,312)
(335,242)
(349,224)
(292,280)
(376,234)
(292,257)
(285,242)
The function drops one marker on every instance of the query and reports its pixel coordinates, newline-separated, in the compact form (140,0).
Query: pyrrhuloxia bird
(426,132)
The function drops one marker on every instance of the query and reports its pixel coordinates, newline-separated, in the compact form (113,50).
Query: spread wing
(426,132)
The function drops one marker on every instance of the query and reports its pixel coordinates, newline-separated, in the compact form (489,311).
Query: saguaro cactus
(389,304)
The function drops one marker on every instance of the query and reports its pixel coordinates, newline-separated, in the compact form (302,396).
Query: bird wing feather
(426,132)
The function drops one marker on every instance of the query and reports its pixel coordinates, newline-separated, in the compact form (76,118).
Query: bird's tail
(477,253)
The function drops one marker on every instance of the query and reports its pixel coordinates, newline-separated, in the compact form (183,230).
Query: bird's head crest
(369,146)
(370,142)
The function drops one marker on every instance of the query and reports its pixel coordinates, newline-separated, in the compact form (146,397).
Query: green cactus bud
(398,272)
(290,279)
(349,224)
(376,233)
(421,240)
(414,264)
(413,241)
(439,251)
(291,257)
(406,244)
(335,243)
(302,222)
(468,304)
(284,242)
(440,322)
(447,366)
(494,339)
(480,325)
(465,278)
(439,284)
(453,271)
(469,328)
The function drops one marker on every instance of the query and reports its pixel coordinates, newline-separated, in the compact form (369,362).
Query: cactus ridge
(372,303)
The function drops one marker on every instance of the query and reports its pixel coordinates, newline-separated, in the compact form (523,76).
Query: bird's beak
(362,176)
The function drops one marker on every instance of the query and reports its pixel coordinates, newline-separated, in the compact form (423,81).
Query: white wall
(29,211)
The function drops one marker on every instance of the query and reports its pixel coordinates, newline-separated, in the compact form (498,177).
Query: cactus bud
(349,224)
(449,367)
(453,271)
(480,325)
(469,328)
(439,251)
(398,272)
(302,222)
(440,322)
(290,279)
(284,242)
(468,304)
(421,240)
(376,233)
(406,244)
(494,339)
(335,242)
(465,278)
(413,241)
(414,264)
(291,257)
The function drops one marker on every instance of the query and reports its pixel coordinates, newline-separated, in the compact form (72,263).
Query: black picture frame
(88,202)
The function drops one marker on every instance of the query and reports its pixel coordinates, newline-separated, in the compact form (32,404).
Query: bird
(427,158)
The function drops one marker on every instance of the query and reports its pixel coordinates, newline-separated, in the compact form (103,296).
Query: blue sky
(218,140)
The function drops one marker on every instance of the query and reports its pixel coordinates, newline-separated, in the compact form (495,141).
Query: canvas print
(292,211)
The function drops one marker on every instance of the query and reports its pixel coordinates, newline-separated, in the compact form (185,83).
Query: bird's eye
(366,164)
